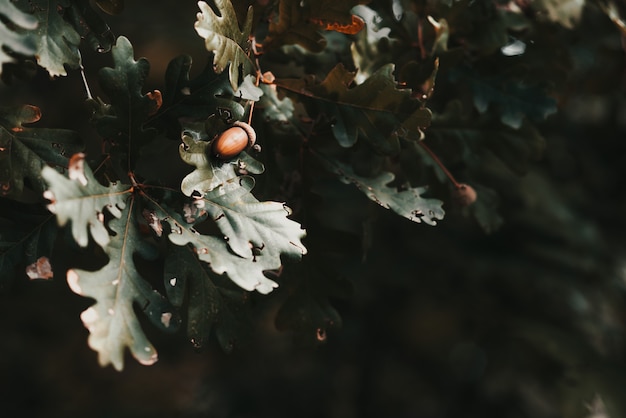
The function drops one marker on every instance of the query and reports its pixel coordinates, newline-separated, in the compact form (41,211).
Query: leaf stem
(440,164)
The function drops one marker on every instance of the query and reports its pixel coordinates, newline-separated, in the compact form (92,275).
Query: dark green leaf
(25,151)
(90,26)
(211,303)
(123,122)
(372,110)
(208,94)
(27,232)
(514,100)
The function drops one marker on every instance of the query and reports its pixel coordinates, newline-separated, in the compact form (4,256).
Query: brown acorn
(464,195)
(233,140)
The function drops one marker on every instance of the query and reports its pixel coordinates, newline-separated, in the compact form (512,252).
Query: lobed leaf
(408,203)
(123,121)
(12,40)
(25,151)
(225,39)
(253,228)
(208,94)
(255,234)
(247,273)
(372,110)
(117,287)
(56,39)
(82,200)
(212,305)
(209,173)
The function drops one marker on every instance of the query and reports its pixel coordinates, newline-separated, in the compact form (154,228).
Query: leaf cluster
(362,110)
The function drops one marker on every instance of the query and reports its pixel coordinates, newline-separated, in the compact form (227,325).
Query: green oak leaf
(82,200)
(210,173)
(407,203)
(255,234)
(212,303)
(122,123)
(27,233)
(25,151)
(21,43)
(209,93)
(372,110)
(250,225)
(117,288)
(56,39)
(225,39)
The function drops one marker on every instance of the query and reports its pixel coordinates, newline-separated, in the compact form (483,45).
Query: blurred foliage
(512,306)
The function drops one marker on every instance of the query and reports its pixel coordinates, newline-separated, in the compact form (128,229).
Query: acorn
(464,195)
(233,140)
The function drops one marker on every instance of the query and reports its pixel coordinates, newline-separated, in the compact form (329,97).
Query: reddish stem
(440,164)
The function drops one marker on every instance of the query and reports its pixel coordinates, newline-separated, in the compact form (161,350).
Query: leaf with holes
(372,110)
(12,40)
(253,226)
(117,288)
(255,234)
(56,39)
(214,303)
(82,200)
(25,151)
(225,39)
(122,122)
(209,173)
(407,203)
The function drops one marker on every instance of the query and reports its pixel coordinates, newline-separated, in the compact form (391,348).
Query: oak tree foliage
(364,111)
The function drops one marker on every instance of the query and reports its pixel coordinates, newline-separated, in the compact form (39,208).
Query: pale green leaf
(223,36)
(210,173)
(255,234)
(21,43)
(252,226)
(56,39)
(82,200)
(408,202)
(117,288)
